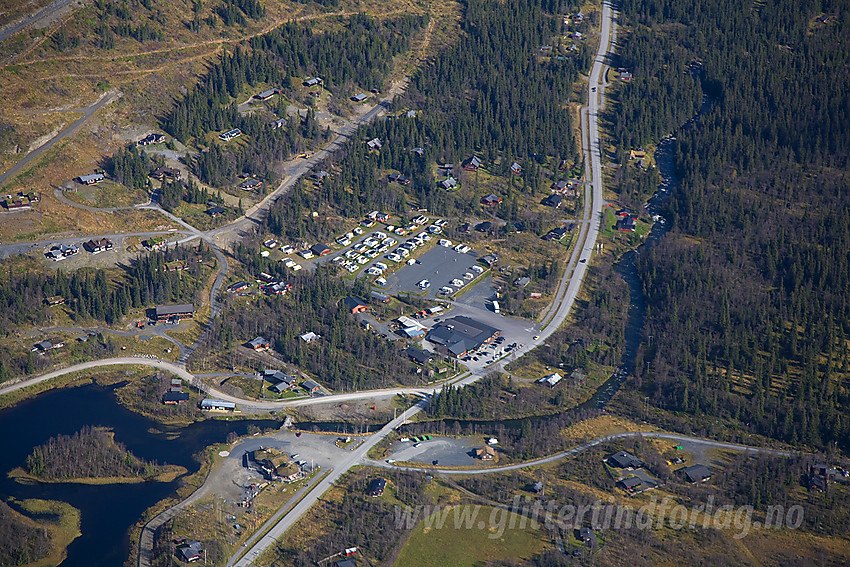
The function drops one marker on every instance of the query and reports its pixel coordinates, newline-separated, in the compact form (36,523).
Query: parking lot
(439,266)
(447,451)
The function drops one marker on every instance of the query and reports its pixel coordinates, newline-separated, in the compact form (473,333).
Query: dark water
(107,511)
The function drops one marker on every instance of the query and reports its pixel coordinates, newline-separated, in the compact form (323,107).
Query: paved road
(104,99)
(7,250)
(49,10)
(560,314)
(706,443)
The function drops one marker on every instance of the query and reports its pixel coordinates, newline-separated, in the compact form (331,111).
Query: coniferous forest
(749,293)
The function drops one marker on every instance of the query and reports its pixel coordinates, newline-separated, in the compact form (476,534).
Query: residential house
(279,123)
(355,304)
(551,379)
(152,138)
(516,168)
(557,233)
(483,226)
(586,535)
(465,228)
(472,164)
(376,487)
(624,460)
(418,355)
(374,144)
(250,184)
(176,266)
(625,76)
(553,200)
(190,552)
(398,178)
(174,398)
(486,453)
(238,286)
(312,82)
(230,134)
(490,200)
(630,484)
(418,151)
(92,178)
(309,337)
(626,224)
(522,282)
(536,488)
(266,94)
(489,259)
(311,386)
(163,173)
(155,243)
(98,246)
(214,212)
(359,97)
(448,183)
(637,154)
(54,300)
(378,296)
(696,473)
(259,344)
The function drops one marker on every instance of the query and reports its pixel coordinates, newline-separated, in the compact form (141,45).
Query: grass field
(61,520)
(467,547)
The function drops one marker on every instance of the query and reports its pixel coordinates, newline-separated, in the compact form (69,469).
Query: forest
(20,543)
(345,358)
(92,295)
(748,293)
(89,453)
(358,52)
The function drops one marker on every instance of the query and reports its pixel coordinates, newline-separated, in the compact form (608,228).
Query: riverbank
(171,473)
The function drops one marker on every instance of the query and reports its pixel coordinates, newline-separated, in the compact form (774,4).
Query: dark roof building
(259,343)
(626,224)
(586,535)
(418,355)
(320,249)
(630,484)
(359,97)
(92,178)
(311,386)
(459,335)
(483,226)
(553,200)
(491,199)
(624,460)
(215,211)
(98,245)
(152,138)
(472,164)
(165,312)
(376,487)
(378,296)
(172,398)
(696,473)
(250,184)
(354,304)
(189,552)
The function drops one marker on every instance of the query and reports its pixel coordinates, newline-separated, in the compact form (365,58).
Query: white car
(463,249)
(476,269)
(468,276)
(424,284)
(457,283)
(445,242)
(343,241)
(357,230)
(446,290)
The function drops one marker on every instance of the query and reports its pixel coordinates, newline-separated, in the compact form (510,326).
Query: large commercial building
(460,335)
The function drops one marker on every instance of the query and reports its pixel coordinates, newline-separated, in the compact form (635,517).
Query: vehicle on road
(536,337)
(424,284)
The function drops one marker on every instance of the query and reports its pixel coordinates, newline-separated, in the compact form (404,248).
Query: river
(107,511)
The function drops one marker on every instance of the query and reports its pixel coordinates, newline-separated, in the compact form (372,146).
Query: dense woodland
(20,542)
(748,293)
(345,358)
(357,53)
(89,453)
(93,295)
